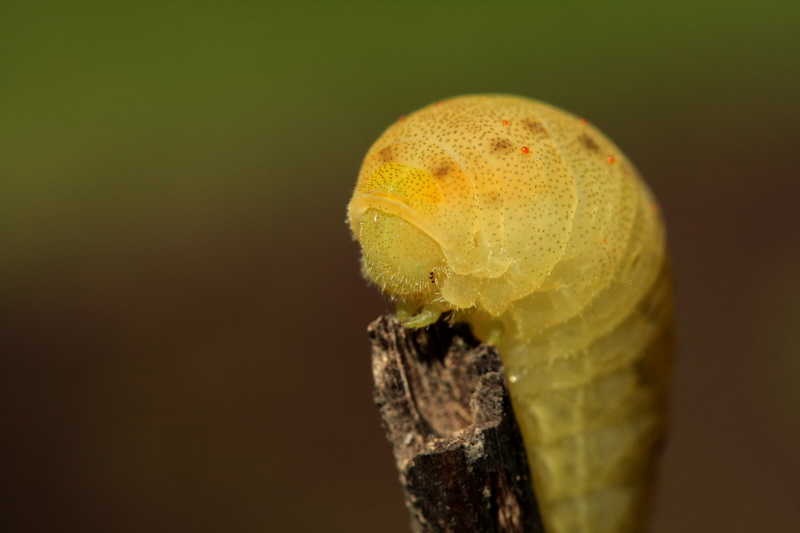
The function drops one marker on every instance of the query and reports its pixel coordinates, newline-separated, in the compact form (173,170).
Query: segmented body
(531,225)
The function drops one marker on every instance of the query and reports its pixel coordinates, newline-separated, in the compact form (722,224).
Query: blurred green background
(173,182)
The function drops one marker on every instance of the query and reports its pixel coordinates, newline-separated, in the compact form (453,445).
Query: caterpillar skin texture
(531,225)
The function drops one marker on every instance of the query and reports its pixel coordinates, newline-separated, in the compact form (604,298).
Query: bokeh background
(182,320)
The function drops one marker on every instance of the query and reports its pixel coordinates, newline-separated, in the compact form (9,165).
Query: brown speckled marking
(534,126)
(387,154)
(589,143)
(442,170)
(502,145)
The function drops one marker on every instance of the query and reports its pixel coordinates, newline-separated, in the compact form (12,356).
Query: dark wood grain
(446,411)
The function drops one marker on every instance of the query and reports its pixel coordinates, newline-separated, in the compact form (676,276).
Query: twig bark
(445,408)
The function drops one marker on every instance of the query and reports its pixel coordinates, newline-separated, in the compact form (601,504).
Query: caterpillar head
(470,202)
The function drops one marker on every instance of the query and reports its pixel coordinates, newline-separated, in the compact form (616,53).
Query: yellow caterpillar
(531,225)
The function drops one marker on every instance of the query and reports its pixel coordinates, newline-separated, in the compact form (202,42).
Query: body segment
(532,226)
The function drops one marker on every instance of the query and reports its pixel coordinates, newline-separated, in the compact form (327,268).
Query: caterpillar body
(531,225)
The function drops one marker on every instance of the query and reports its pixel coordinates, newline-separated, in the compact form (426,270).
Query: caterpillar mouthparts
(532,226)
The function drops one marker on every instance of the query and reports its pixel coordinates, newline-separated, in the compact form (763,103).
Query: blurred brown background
(173,182)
